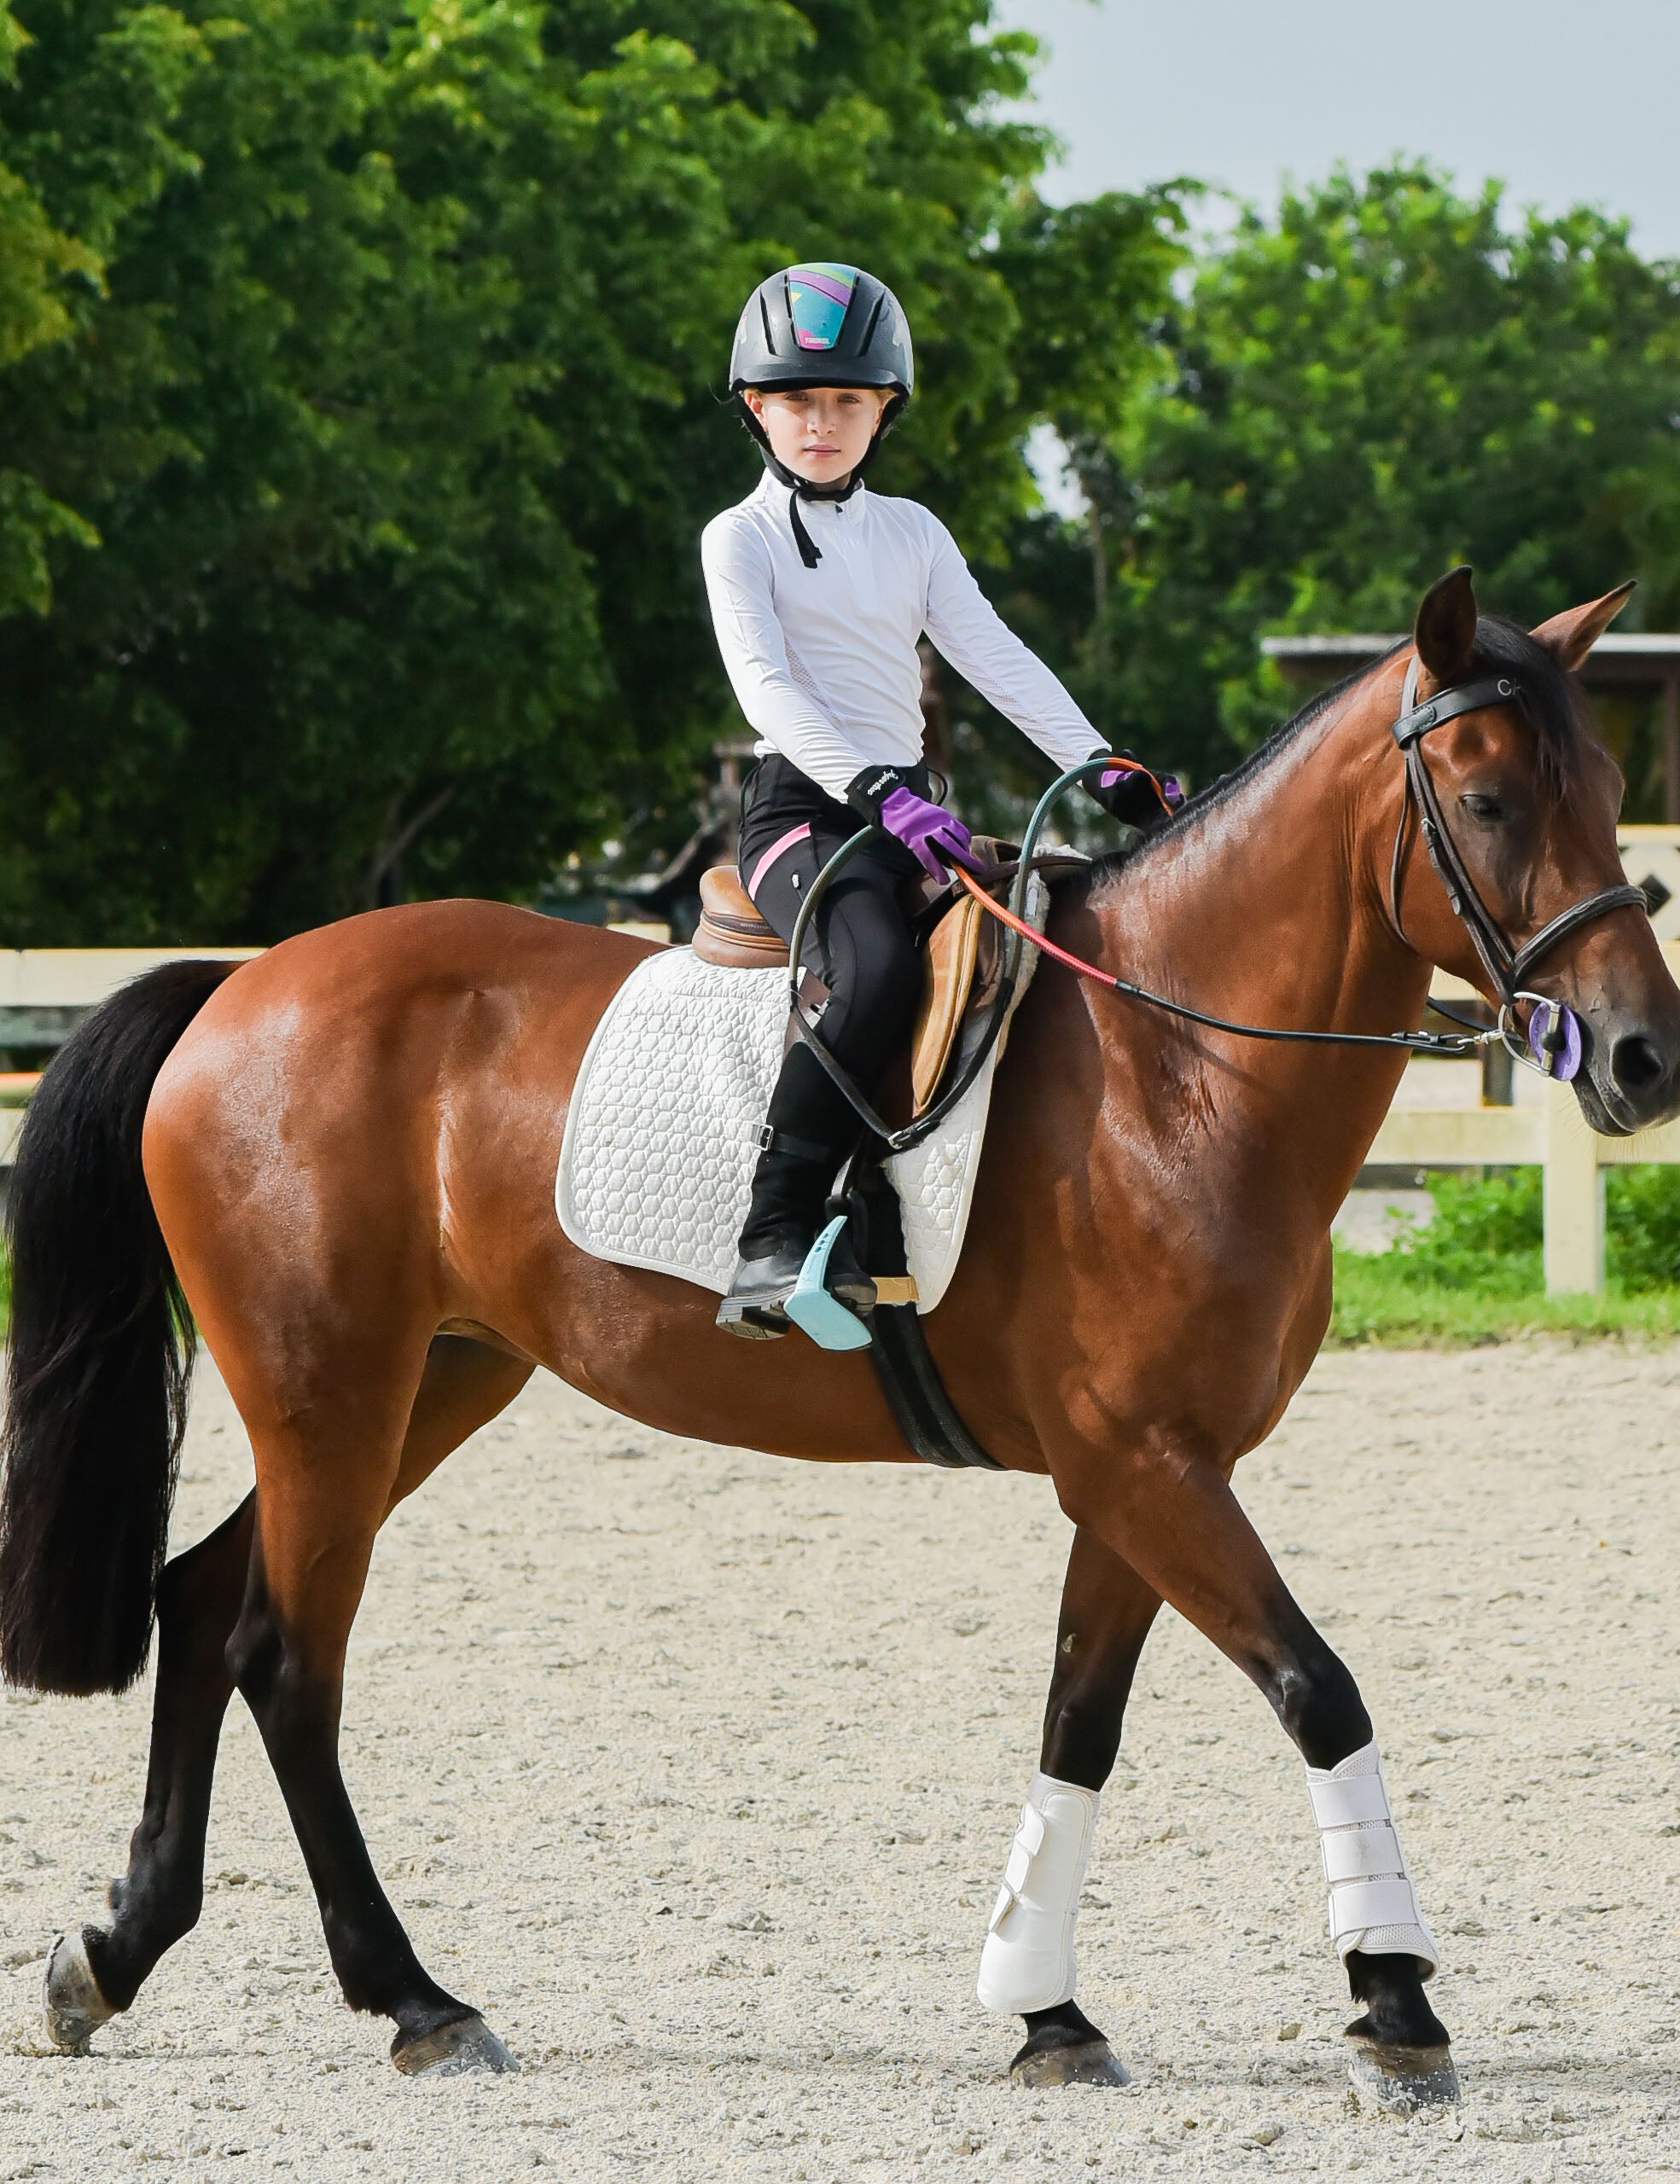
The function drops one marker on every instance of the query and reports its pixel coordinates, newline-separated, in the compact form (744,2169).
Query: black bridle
(1507,968)
(1550,1042)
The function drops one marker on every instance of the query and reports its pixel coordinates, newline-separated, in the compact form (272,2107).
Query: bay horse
(337,1162)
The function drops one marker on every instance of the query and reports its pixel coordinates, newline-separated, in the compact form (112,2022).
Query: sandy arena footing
(696,1769)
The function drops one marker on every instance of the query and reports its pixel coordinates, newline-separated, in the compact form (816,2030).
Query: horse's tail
(101,1355)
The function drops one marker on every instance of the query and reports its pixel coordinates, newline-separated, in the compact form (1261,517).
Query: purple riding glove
(937,837)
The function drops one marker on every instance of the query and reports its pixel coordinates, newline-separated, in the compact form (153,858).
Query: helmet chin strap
(802,489)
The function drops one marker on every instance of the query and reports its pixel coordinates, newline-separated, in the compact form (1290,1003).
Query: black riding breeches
(860,943)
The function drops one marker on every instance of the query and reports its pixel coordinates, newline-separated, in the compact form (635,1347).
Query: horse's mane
(1556,713)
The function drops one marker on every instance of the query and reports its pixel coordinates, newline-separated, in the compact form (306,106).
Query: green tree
(1385,379)
(1092,285)
(35,261)
(380,409)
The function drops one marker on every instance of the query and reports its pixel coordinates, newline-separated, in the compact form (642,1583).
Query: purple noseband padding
(1564,1064)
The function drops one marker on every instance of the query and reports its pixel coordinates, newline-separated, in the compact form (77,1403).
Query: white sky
(1565,105)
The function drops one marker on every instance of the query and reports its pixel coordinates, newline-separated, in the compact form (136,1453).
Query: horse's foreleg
(1027,1967)
(1171,1515)
(92,1975)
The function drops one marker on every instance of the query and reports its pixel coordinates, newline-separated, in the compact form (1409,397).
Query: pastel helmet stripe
(818,296)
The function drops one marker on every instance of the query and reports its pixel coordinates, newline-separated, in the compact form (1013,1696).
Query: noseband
(1554,1036)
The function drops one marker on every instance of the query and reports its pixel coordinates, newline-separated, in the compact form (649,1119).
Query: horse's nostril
(1635,1063)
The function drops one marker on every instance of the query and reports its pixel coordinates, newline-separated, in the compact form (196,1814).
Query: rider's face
(818,432)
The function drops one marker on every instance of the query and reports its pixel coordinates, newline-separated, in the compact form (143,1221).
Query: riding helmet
(823,325)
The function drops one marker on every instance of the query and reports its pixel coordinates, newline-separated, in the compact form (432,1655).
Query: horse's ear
(1570,636)
(1446,635)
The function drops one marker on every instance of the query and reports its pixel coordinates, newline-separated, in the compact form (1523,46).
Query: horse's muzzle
(1631,1079)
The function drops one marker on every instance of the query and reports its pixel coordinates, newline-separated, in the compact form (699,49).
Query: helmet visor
(818,296)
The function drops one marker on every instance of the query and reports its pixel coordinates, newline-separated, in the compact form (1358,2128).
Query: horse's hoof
(1402,2080)
(451,2051)
(1043,2063)
(75,2009)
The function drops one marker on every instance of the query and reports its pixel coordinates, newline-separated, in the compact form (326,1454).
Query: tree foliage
(1384,380)
(36,261)
(361,414)
(359,376)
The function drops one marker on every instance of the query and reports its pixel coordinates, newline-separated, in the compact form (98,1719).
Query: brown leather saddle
(960,946)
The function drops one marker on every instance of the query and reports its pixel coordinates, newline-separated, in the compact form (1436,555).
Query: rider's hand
(1132,794)
(937,838)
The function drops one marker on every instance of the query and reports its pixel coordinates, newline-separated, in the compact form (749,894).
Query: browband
(1447,705)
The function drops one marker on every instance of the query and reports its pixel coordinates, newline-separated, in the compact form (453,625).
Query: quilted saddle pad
(662,1135)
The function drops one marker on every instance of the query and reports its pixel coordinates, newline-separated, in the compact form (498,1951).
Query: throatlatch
(1373,1906)
(1028,1961)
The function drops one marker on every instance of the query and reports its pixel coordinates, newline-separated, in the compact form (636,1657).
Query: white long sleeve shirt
(823,660)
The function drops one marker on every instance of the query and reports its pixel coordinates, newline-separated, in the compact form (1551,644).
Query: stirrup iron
(831,1324)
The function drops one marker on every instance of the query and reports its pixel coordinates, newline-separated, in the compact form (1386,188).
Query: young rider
(819,592)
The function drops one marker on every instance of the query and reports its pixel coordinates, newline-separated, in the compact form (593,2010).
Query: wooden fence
(1544,1128)
(44,991)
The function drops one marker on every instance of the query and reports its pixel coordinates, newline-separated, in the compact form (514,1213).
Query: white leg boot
(1028,1960)
(1373,1904)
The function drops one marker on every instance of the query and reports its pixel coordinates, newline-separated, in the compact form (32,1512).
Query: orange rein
(1028,932)
(1115,763)
(1467,1041)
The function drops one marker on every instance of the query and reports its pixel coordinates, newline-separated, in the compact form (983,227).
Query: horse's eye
(1488,808)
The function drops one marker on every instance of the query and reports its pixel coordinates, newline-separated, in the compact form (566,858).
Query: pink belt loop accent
(794,834)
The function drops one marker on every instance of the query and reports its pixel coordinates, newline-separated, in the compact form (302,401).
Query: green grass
(1473,1274)
(1380,1302)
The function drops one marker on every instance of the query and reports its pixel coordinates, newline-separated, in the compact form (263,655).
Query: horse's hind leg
(288,1653)
(96,1972)
(324,1485)
(93,1974)
(1027,1967)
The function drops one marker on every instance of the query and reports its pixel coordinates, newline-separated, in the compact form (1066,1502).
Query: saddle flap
(964,951)
(951,953)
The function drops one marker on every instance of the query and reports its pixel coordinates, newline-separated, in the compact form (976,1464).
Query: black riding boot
(811,1129)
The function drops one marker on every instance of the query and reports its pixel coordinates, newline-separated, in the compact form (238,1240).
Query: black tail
(101,1353)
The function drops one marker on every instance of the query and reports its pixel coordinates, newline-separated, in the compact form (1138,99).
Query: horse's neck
(1267,907)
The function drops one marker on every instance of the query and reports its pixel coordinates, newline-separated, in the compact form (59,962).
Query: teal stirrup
(829,1323)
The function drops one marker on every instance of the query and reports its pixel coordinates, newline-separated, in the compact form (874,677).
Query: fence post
(1572,1198)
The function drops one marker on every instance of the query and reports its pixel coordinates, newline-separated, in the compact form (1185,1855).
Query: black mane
(1555,711)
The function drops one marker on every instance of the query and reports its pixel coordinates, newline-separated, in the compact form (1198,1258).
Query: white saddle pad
(662,1135)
